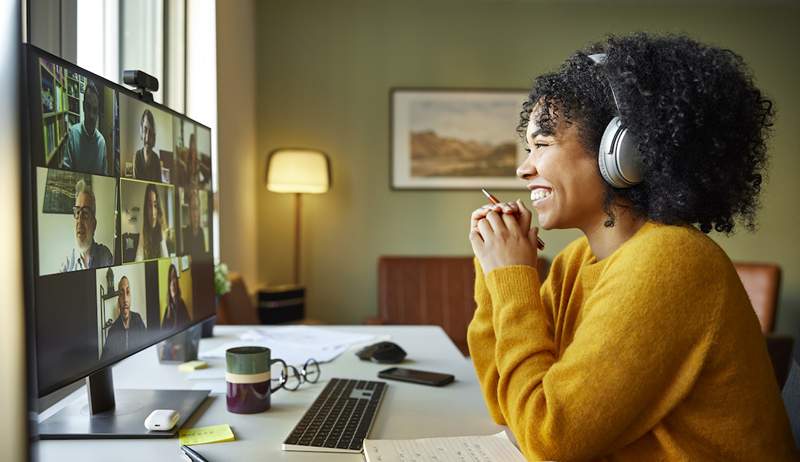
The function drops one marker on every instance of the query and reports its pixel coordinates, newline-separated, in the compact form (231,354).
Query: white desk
(408,410)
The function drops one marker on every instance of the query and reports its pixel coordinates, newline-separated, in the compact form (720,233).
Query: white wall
(13,435)
(238,173)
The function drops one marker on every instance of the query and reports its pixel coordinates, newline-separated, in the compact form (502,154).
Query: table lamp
(298,171)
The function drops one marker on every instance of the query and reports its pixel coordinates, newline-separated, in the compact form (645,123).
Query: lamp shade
(298,171)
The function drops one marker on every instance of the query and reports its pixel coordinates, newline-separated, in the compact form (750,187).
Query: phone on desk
(403,374)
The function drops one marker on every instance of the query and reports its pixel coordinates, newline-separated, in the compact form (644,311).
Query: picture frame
(455,138)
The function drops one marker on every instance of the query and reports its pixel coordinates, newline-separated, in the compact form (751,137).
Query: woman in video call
(176,314)
(151,240)
(641,344)
(146,163)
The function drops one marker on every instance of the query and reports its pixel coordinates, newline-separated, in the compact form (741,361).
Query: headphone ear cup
(618,156)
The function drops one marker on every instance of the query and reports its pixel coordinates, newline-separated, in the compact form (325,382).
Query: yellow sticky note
(192,365)
(203,435)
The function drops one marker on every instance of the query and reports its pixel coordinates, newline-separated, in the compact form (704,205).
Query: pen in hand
(494,200)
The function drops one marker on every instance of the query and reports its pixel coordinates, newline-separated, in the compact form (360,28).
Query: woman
(151,241)
(641,344)
(175,315)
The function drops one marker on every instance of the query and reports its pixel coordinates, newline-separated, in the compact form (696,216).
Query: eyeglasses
(291,378)
(82,213)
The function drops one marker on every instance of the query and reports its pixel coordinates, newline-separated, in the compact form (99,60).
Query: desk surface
(408,410)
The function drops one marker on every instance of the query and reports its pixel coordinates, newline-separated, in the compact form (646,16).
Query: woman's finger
(480,214)
(512,225)
(485,230)
(496,221)
(525,216)
(476,241)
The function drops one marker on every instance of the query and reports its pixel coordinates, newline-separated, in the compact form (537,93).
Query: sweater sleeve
(619,376)
(481,342)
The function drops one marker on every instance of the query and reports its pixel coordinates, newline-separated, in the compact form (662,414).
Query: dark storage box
(281,304)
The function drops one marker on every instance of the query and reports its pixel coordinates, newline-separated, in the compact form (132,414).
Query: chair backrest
(236,307)
(791,399)
(780,349)
(430,290)
(762,281)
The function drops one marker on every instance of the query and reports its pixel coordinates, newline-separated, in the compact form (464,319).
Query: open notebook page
(488,448)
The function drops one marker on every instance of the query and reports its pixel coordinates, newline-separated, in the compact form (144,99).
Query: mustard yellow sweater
(653,353)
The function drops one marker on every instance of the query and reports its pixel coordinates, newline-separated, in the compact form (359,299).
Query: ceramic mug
(247,373)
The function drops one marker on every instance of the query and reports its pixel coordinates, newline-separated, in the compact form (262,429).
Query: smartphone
(403,374)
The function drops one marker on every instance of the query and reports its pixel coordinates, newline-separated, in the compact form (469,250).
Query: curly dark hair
(700,121)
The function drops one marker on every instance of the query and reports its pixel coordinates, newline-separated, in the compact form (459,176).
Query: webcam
(144,83)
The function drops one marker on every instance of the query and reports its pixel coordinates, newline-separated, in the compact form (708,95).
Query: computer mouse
(382,352)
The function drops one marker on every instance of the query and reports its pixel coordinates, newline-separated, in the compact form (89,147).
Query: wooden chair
(780,349)
(236,307)
(429,290)
(762,281)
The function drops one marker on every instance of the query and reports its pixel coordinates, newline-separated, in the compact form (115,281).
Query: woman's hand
(501,235)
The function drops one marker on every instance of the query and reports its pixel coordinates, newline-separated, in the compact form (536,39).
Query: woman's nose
(527,169)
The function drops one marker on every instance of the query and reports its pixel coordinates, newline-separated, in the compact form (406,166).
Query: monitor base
(125,420)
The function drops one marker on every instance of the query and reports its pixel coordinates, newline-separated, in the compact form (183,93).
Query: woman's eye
(539,145)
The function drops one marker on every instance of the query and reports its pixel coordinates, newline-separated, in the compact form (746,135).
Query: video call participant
(128,330)
(87,253)
(194,240)
(151,240)
(85,147)
(176,313)
(146,163)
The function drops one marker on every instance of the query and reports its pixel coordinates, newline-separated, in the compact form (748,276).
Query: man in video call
(146,163)
(87,253)
(194,241)
(85,147)
(128,330)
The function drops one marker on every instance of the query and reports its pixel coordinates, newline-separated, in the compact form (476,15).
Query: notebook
(488,448)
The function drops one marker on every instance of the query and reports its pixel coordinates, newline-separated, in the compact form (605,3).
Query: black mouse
(382,352)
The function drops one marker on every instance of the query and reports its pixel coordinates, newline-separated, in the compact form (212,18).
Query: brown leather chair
(236,307)
(430,290)
(762,281)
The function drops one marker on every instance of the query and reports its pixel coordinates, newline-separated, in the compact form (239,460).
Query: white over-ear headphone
(618,156)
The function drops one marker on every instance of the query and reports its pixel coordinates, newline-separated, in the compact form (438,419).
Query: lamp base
(280,304)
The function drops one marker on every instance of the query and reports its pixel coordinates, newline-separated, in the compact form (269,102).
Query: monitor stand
(120,414)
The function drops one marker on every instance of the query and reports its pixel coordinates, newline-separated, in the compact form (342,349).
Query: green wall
(324,70)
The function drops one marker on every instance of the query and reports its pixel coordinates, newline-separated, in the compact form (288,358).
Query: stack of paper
(296,344)
(454,449)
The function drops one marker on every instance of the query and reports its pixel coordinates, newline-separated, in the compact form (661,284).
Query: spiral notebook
(488,448)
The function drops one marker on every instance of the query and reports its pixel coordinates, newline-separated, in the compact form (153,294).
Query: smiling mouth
(539,195)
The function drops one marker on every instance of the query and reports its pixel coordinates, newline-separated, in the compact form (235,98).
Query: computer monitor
(118,240)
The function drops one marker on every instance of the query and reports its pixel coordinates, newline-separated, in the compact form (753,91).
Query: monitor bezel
(30,57)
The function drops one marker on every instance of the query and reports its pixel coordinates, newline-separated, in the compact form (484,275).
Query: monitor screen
(121,221)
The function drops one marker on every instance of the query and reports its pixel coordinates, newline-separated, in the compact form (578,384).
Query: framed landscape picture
(455,138)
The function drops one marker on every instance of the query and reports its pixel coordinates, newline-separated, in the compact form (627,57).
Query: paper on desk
(203,435)
(453,449)
(307,335)
(292,354)
(296,344)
